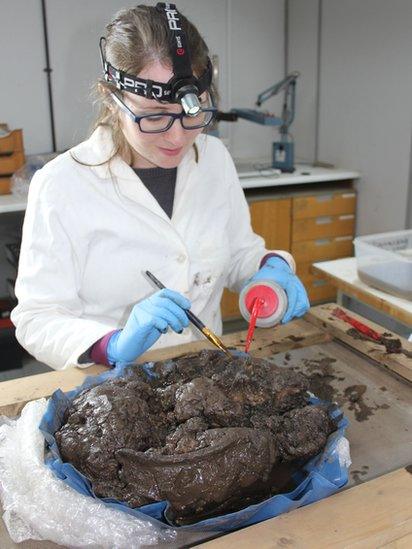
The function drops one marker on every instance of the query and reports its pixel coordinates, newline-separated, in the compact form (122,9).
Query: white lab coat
(90,232)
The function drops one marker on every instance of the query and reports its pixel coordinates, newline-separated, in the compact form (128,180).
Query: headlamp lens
(190,104)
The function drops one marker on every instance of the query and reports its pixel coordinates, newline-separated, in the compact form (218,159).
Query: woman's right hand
(148,320)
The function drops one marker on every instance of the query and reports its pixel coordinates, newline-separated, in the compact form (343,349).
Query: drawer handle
(322,242)
(323,220)
(319,283)
(324,198)
(344,217)
(343,238)
(349,195)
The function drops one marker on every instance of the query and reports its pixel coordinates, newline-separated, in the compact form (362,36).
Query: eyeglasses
(162,121)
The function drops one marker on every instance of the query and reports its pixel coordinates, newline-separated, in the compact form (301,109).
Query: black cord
(48,71)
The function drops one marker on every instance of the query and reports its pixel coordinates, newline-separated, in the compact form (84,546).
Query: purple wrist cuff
(98,353)
(266,257)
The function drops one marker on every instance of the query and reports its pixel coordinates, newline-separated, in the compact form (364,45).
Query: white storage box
(385,261)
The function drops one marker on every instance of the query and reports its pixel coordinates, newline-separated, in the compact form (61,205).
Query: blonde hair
(136,38)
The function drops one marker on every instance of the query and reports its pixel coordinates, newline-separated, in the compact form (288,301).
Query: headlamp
(189,100)
(183,87)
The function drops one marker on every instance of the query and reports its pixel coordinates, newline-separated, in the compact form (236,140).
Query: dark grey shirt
(161,183)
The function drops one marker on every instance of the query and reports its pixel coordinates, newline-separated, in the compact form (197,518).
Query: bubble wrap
(39,506)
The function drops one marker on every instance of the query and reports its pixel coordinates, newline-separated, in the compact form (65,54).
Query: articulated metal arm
(276,88)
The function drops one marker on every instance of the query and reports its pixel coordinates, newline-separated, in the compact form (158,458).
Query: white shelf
(11,203)
(251,178)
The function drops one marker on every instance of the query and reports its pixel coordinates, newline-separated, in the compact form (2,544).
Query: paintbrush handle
(194,320)
(155,280)
(192,317)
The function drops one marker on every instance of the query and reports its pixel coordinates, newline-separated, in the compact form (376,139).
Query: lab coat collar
(100,147)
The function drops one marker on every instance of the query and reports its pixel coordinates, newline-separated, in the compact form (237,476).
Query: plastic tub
(385,261)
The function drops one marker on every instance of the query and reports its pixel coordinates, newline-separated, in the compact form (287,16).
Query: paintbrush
(212,337)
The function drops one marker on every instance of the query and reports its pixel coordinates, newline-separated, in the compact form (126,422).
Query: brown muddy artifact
(209,434)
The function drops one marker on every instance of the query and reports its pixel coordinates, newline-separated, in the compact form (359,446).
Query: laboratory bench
(375,507)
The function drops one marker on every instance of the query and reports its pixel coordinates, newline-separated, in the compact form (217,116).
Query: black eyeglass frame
(173,116)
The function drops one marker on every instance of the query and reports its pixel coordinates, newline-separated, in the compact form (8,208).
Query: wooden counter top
(375,514)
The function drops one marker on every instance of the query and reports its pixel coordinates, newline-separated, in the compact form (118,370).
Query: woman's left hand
(277,269)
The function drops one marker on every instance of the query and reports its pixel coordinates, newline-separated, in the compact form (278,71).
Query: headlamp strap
(182,67)
(182,64)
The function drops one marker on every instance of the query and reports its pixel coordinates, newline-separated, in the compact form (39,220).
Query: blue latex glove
(277,269)
(148,320)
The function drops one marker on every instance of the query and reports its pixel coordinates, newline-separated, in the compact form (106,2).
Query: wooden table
(343,274)
(376,509)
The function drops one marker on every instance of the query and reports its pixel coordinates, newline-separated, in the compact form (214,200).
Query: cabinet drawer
(11,162)
(318,289)
(324,204)
(12,142)
(304,271)
(230,305)
(322,227)
(5,185)
(322,249)
(321,291)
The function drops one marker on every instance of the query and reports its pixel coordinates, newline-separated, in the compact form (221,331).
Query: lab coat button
(181,258)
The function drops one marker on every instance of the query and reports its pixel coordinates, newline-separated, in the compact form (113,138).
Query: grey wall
(248,38)
(256,61)
(302,55)
(364,90)
(23,93)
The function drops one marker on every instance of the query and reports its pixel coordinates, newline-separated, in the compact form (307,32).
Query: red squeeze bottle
(262,303)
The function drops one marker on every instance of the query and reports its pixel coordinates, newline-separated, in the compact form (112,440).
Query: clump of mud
(209,434)
(393,345)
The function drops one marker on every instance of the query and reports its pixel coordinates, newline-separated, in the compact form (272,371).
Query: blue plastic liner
(320,477)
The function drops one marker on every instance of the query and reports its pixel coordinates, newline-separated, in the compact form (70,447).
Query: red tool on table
(359,326)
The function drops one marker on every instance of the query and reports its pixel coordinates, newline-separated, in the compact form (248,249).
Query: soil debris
(357,474)
(392,345)
(324,380)
(294,338)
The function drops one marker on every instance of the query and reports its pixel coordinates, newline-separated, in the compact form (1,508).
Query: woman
(149,190)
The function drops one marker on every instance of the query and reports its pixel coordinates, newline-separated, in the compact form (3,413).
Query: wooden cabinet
(323,228)
(318,289)
(5,185)
(10,163)
(11,158)
(314,225)
(270,219)
(11,142)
